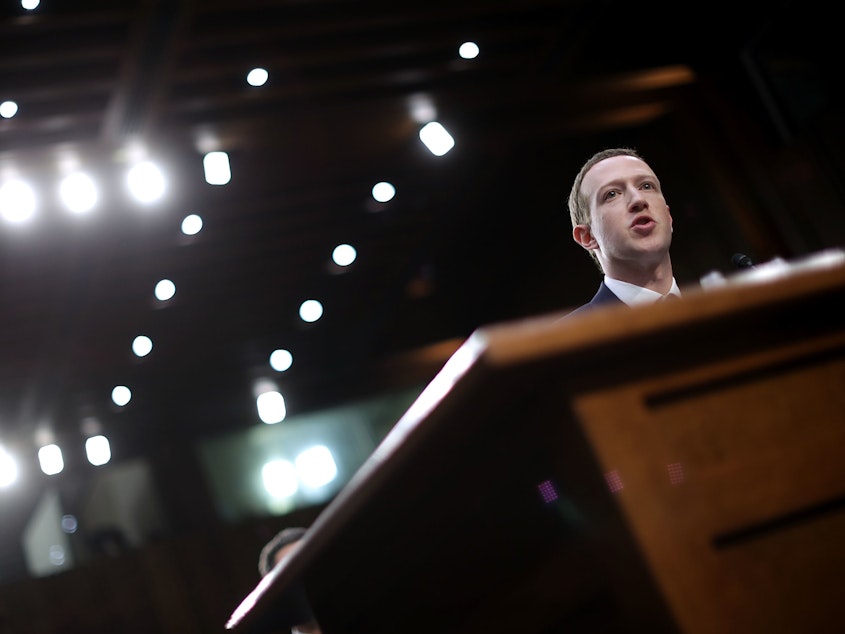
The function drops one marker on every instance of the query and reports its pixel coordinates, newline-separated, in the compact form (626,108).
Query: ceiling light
(383,192)
(279,477)
(17,201)
(191,225)
(216,167)
(468,50)
(422,108)
(78,192)
(121,395)
(50,459)
(316,466)
(98,450)
(146,182)
(436,138)
(281,360)
(271,407)
(310,310)
(142,345)
(344,254)
(164,290)
(257,77)
(8,109)
(8,469)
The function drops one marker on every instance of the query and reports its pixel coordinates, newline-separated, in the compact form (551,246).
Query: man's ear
(583,236)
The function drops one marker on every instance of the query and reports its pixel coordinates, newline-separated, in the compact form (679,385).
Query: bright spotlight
(279,478)
(121,395)
(316,466)
(436,138)
(146,182)
(382,192)
(310,310)
(216,167)
(191,225)
(17,201)
(468,50)
(422,108)
(8,469)
(142,345)
(271,407)
(98,450)
(8,109)
(164,290)
(78,192)
(257,77)
(281,360)
(50,459)
(344,254)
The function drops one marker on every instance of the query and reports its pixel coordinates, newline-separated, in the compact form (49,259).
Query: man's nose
(636,200)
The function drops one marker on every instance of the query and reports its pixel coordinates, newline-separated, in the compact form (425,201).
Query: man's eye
(648,186)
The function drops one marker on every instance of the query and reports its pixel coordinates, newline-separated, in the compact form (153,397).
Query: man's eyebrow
(610,185)
(618,182)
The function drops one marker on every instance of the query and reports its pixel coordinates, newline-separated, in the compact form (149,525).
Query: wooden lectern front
(668,468)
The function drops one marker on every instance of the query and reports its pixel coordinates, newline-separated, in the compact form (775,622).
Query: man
(272,553)
(619,215)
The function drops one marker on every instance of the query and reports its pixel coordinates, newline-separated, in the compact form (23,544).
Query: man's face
(631,224)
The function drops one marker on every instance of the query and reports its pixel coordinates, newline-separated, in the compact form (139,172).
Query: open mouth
(642,221)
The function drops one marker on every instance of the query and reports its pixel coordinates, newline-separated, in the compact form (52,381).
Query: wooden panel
(732,479)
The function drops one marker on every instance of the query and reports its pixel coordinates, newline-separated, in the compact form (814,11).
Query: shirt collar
(632,294)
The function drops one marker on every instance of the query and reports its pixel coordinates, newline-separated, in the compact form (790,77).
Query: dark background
(737,107)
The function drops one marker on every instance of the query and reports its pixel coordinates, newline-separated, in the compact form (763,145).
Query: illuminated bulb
(121,395)
(8,109)
(98,450)
(382,192)
(216,168)
(257,77)
(78,192)
(191,225)
(468,50)
(50,459)
(164,290)
(17,201)
(436,138)
(310,310)
(271,407)
(344,254)
(281,360)
(146,182)
(142,345)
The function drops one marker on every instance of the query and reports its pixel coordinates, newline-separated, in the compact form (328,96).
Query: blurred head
(272,553)
(282,543)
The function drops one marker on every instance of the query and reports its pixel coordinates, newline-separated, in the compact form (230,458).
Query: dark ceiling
(476,236)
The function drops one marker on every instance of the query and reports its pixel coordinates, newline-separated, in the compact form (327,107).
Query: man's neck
(656,278)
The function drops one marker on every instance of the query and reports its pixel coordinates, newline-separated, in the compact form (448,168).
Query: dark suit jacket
(603,297)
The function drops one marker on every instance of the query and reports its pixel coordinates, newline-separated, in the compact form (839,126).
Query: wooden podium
(669,468)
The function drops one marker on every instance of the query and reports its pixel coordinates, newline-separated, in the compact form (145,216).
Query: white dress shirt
(632,294)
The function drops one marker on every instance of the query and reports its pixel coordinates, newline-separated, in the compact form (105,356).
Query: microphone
(741,261)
